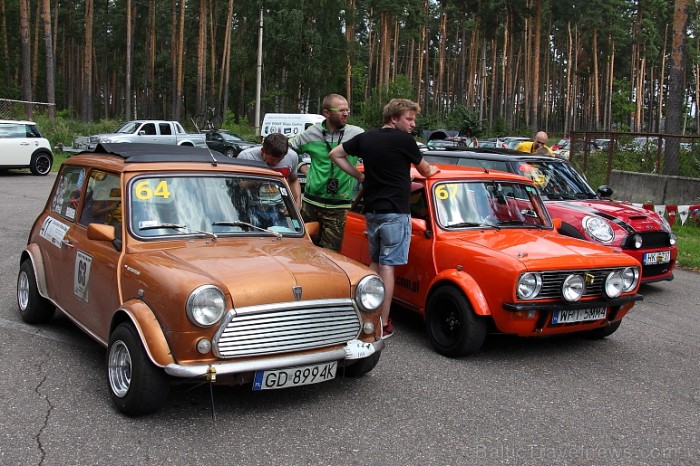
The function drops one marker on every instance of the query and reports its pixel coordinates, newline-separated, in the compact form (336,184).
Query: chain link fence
(23,109)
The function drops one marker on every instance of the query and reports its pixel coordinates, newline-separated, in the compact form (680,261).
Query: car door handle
(67,243)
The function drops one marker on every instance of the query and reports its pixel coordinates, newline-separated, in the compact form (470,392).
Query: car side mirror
(101,232)
(418,225)
(142,133)
(556,222)
(605,191)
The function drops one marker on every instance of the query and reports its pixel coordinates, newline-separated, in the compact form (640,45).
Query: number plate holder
(295,376)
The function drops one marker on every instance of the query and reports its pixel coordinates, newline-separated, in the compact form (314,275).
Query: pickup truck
(143,131)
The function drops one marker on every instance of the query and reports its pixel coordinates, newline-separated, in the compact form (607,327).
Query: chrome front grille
(552,282)
(285,327)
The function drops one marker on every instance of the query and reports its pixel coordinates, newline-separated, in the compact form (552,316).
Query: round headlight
(630,277)
(598,229)
(205,306)
(614,284)
(370,293)
(529,285)
(637,241)
(573,288)
(672,238)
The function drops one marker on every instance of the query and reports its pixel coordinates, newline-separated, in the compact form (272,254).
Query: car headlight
(529,285)
(370,293)
(598,229)
(614,284)
(630,278)
(573,288)
(637,240)
(672,238)
(205,306)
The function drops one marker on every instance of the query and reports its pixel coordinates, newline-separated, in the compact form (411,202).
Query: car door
(84,280)
(15,148)
(413,279)
(165,133)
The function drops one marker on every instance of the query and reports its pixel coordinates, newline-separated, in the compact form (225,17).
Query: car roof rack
(145,153)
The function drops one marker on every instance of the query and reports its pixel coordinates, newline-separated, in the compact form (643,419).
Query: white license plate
(661,257)
(578,315)
(294,376)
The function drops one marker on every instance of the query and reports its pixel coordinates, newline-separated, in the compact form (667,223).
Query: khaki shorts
(331,223)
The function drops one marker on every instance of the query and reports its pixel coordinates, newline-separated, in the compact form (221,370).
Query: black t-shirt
(387,155)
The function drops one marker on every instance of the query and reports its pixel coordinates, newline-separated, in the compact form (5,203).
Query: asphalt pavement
(632,398)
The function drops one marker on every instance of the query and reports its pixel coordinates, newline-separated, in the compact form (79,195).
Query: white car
(22,146)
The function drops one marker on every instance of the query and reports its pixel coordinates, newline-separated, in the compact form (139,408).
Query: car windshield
(556,180)
(129,127)
(230,137)
(489,204)
(187,205)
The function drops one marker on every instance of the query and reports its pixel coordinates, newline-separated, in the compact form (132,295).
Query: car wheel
(229,152)
(33,308)
(600,333)
(41,163)
(136,385)
(362,366)
(453,328)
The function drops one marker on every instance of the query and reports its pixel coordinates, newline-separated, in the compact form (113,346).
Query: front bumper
(349,352)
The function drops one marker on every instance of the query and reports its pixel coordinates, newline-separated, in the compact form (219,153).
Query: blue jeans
(389,238)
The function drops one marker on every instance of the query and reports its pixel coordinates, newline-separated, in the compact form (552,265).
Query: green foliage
(688,243)
(369,112)
(466,120)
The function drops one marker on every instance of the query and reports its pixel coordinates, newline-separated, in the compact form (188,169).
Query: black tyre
(362,366)
(41,163)
(230,152)
(33,308)
(600,333)
(135,384)
(452,326)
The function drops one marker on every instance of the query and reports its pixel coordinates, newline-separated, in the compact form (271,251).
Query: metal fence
(23,109)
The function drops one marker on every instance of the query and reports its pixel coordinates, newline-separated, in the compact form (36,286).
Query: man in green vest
(328,193)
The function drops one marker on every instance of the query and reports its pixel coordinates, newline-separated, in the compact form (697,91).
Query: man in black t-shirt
(387,154)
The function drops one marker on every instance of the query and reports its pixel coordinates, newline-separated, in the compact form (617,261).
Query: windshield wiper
(176,226)
(472,224)
(250,226)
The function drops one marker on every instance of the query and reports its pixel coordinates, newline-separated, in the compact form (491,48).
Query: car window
(102,199)
(167,206)
(165,129)
(12,130)
(556,180)
(488,204)
(66,197)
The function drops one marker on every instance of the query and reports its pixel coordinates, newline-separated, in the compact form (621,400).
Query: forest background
(483,67)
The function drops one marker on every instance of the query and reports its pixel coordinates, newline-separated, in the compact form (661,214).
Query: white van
(289,124)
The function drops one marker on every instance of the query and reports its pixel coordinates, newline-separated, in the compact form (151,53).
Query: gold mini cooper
(188,264)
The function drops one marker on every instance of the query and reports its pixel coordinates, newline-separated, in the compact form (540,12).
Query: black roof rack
(144,153)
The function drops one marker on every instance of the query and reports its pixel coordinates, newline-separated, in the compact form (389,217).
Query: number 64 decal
(144,192)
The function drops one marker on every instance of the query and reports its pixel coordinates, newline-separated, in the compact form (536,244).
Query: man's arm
(339,157)
(425,169)
(295,186)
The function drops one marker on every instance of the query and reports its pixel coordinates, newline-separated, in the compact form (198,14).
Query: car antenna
(214,162)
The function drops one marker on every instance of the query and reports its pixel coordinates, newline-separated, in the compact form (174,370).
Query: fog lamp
(204,346)
(368,328)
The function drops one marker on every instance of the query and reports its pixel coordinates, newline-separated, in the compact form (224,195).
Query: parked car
(584,213)
(560,144)
(141,132)
(194,267)
(23,146)
(511,142)
(226,142)
(564,150)
(485,256)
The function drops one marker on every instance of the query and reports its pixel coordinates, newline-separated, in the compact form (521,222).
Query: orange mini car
(485,256)
(191,265)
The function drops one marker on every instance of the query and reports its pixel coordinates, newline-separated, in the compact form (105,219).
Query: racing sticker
(53,231)
(81,275)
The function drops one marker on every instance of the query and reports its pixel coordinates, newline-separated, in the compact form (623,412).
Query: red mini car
(584,213)
(485,255)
